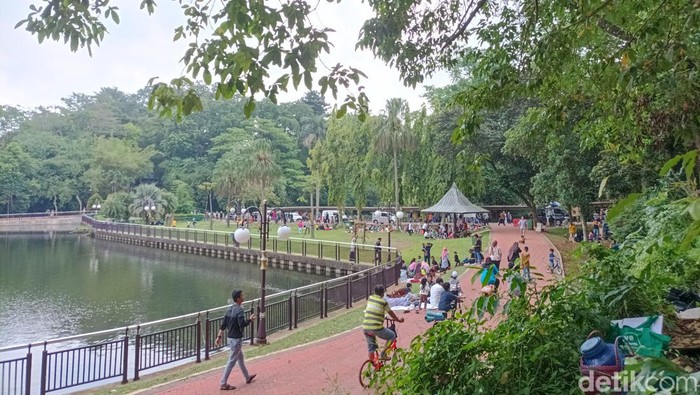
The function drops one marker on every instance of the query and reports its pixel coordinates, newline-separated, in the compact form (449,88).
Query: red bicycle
(370,366)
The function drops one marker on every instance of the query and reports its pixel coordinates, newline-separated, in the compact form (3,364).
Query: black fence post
(337,251)
(324,295)
(137,352)
(296,310)
(44,357)
(368,276)
(384,276)
(289,310)
(125,358)
(252,323)
(198,341)
(207,336)
(28,378)
(348,293)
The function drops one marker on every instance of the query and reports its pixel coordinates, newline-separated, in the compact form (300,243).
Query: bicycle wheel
(548,269)
(366,373)
(558,270)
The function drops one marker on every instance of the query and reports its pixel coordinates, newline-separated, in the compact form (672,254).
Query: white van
(332,215)
(383,217)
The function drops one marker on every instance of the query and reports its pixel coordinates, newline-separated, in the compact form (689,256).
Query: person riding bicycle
(373,322)
(552,258)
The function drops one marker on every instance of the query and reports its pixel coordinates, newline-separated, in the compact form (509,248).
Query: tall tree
(394,137)
(16,181)
(263,171)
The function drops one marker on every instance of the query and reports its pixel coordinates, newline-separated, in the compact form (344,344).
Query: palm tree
(263,171)
(394,135)
(228,179)
(147,195)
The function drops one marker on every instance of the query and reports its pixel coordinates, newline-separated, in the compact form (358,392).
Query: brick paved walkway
(331,366)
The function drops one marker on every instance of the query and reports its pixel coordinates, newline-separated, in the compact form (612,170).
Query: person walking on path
(525,263)
(495,254)
(235,322)
(477,249)
(353,248)
(378,252)
(523,226)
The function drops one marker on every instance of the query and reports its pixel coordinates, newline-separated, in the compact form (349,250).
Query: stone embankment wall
(39,224)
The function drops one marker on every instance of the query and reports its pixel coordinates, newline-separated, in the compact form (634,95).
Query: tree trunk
(228,210)
(396,183)
(313,215)
(211,214)
(80,203)
(318,198)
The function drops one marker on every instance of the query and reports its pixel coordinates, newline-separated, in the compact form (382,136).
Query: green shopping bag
(641,339)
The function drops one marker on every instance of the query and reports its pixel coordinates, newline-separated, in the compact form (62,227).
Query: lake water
(56,285)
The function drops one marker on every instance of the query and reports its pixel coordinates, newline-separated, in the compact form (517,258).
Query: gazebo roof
(454,201)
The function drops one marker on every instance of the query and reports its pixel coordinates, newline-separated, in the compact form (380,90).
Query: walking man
(235,322)
(378,251)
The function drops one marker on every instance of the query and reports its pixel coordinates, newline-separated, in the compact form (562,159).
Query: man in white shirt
(495,254)
(435,293)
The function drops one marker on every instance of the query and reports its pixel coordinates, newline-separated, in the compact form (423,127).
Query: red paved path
(331,365)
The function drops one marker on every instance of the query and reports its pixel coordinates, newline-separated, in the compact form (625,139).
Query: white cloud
(141,47)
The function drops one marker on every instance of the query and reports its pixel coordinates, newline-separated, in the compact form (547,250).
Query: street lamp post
(96,207)
(242,235)
(149,207)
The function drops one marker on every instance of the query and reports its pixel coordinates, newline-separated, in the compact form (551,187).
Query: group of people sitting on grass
(433,294)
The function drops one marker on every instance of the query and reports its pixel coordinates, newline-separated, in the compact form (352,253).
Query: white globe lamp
(399,214)
(241,235)
(283,232)
(153,208)
(99,206)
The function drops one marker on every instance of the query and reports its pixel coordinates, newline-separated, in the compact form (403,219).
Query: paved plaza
(330,366)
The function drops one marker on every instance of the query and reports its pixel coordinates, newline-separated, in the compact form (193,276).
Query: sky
(141,47)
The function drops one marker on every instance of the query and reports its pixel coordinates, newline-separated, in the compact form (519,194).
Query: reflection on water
(60,285)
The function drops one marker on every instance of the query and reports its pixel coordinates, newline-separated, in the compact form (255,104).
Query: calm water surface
(56,285)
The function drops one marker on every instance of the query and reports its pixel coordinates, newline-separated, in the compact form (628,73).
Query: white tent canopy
(455,202)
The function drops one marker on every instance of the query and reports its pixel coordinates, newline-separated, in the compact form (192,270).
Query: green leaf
(341,111)
(249,107)
(694,209)
(74,42)
(115,17)
(670,164)
(619,207)
(308,80)
(207,77)
(689,163)
(602,186)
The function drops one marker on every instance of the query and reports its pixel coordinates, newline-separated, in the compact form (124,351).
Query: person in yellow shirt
(572,231)
(373,321)
(525,263)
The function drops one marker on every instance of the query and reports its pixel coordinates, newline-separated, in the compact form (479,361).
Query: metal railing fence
(153,346)
(322,249)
